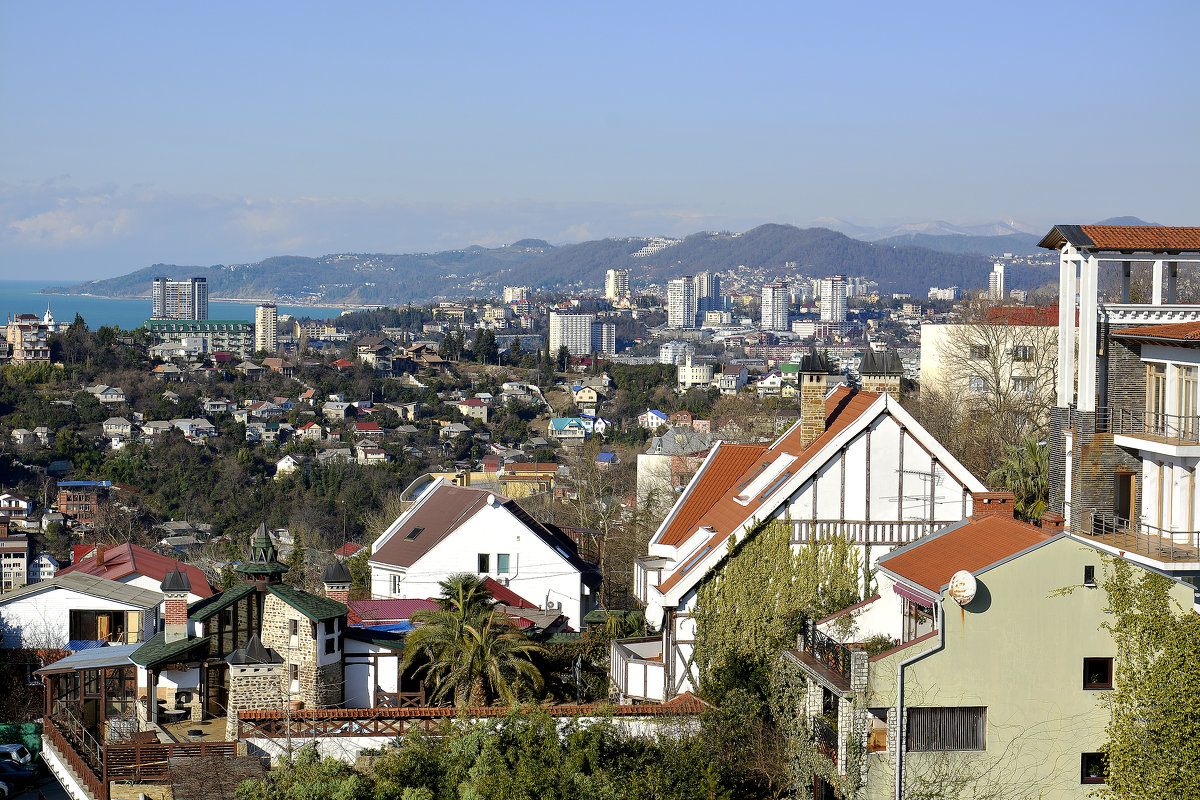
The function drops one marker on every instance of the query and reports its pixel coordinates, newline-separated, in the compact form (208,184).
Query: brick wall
(881,384)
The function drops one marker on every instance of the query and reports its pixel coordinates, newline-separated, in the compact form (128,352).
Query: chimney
(993,504)
(336,580)
(881,372)
(812,397)
(99,553)
(1053,522)
(175,588)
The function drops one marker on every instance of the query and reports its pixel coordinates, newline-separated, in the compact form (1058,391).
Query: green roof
(310,605)
(565,637)
(268,568)
(204,609)
(155,651)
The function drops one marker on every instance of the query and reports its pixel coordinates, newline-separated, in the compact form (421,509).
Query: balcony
(1157,543)
(638,670)
(825,659)
(1177,431)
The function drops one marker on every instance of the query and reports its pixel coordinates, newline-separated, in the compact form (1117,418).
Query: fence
(148,761)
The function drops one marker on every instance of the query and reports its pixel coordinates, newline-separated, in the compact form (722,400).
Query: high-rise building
(616,284)
(708,294)
(516,294)
(775,300)
(604,338)
(996,283)
(266,328)
(185,299)
(681,302)
(571,330)
(831,294)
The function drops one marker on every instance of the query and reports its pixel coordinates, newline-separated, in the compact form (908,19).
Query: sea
(25,297)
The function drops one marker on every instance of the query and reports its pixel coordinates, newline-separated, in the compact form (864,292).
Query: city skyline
(155,134)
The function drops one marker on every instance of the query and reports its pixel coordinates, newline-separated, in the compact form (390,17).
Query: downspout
(900,698)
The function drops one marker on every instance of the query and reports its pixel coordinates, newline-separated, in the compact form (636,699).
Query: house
(770,385)
(584,395)
(669,462)
(342,365)
(973,607)
(285,404)
(348,550)
(79,501)
(68,611)
(387,613)
(156,428)
(691,375)
(310,431)
(732,378)
(473,408)
(568,430)
(42,568)
(368,429)
(23,437)
(334,410)
(170,397)
(15,506)
(523,479)
(369,454)
(309,396)
(218,406)
(1125,426)
(287,465)
(14,558)
(44,435)
(167,372)
(333,455)
(652,419)
(376,352)
(406,411)
(280,365)
(198,428)
(905,484)
(134,565)
(118,427)
(265,409)
(594,425)
(453,529)
(454,429)
(606,460)
(107,395)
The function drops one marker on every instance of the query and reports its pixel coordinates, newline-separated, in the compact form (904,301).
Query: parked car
(16,753)
(16,774)
(5,790)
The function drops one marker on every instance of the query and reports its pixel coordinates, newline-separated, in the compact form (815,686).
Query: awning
(915,595)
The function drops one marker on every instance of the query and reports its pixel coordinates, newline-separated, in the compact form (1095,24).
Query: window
(485,562)
(330,645)
(396,579)
(979,351)
(1156,397)
(1022,385)
(943,729)
(293,633)
(294,678)
(1093,768)
(414,533)
(1023,352)
(978,384)
(1097,673)
(1089,576)
(502,563)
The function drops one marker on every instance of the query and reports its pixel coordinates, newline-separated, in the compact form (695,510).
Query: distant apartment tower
(832,298)
(616,284)
(949,293)
(775,299)
(996,283)
(571,330)
(708,294)
(681,302)
(266,328)
(516,294)
(676,353)
(185,299)
(604,338)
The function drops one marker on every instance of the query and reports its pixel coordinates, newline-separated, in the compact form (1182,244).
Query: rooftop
(127,559)
(1124,238)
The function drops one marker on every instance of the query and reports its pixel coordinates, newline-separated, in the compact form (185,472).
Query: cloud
(75,222)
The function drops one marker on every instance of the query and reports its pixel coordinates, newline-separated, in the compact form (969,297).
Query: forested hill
(479,271)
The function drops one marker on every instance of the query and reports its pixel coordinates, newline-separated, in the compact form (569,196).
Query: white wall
(43,619)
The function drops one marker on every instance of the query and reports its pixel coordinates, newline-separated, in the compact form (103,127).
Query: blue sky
(135,133)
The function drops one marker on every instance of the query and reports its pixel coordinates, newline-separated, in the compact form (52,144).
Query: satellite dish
(962,587)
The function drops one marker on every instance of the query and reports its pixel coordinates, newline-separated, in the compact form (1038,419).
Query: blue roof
(656,412)
(605,457)
(399,627)
(562,423)
(75,645)
(104,484)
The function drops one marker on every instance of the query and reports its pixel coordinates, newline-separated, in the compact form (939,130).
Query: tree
(563,358)
(471,650)
(1024,472)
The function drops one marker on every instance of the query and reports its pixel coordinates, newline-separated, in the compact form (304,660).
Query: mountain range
(908,259)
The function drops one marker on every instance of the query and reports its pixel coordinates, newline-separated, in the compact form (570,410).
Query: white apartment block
(832,294)
(516,294)
(616,284)
(266,327)
(775,300)
(996,283)
(681,302)
(675,352)
(604,338)
(571,330)
(185,299)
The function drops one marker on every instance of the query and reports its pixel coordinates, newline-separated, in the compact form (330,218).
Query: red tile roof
(730,462)
(1179,331)
(505,595)
(366,426)
(1143,237)
(386,612)
(535,467)
(1024,315)
(980,542)
(348,549)
(127,559)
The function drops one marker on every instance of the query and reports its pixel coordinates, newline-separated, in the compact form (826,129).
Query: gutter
(900,698)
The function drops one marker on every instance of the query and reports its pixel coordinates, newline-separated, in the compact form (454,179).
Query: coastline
(243,300)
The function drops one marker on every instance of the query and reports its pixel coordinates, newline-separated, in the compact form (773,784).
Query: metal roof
(113,656)
(90,584)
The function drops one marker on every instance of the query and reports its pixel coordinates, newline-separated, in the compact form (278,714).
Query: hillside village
(825,553)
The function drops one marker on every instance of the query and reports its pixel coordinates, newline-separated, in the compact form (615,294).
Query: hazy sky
(201,133)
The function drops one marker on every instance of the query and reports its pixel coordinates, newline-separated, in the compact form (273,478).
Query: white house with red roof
(134,565)
(855,463)
(456,529)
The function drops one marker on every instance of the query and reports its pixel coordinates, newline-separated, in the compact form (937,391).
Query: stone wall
(320,687)
(252,688)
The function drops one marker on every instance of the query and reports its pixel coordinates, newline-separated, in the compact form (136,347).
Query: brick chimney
(881,372)
(993,504)
(812,396)
(99,553)
(1053,522)
(175,588)
(336,580)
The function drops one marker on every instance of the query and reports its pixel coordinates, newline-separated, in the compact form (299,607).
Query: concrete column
(1086,391)
(1157,273)
(1066,330)
(1126,274)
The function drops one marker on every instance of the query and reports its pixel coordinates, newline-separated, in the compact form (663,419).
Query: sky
(202,133)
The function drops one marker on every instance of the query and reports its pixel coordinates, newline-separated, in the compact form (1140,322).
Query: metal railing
(59,731)
(825,737)
(1141,537)
(832,654)
(1173,428)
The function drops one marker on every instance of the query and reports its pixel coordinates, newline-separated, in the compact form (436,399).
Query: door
(1123,506)
(216,690)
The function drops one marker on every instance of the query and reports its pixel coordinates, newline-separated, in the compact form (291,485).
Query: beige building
(266,328)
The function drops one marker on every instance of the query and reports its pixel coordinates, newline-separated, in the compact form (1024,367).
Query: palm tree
(1023,471)
(471,650)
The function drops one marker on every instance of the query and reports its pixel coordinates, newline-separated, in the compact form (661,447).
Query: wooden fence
(148,761)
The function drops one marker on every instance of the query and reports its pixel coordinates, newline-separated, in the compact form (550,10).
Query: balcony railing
(1170,428)
(825,737)
(862,531)
(829,652)
(1141,537)
(81,752)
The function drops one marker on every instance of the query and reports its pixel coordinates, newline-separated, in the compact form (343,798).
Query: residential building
(681,302)
(670,461)
(15,506)
(973,608)
(571,330)
(107,395)
(134,565)
(905,484)
(79,501)
(604,338)
(690,375)
(454,529)
(708,294)
(996,283)
(832,298)
(69,611)
(516,294)
(229,335)
(651,419)
(14,558)
(28,337)
(775,303)
(525,479)
(118,427)
(23,437)
(949,293)
(1125,429)
(616,285)
(568,430)
(266,327)
(731,378)
(584,396)
(377,352)
(675,352)
(284,367)
(185,299)
(42,568)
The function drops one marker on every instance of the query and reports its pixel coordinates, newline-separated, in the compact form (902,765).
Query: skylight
(414,533)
